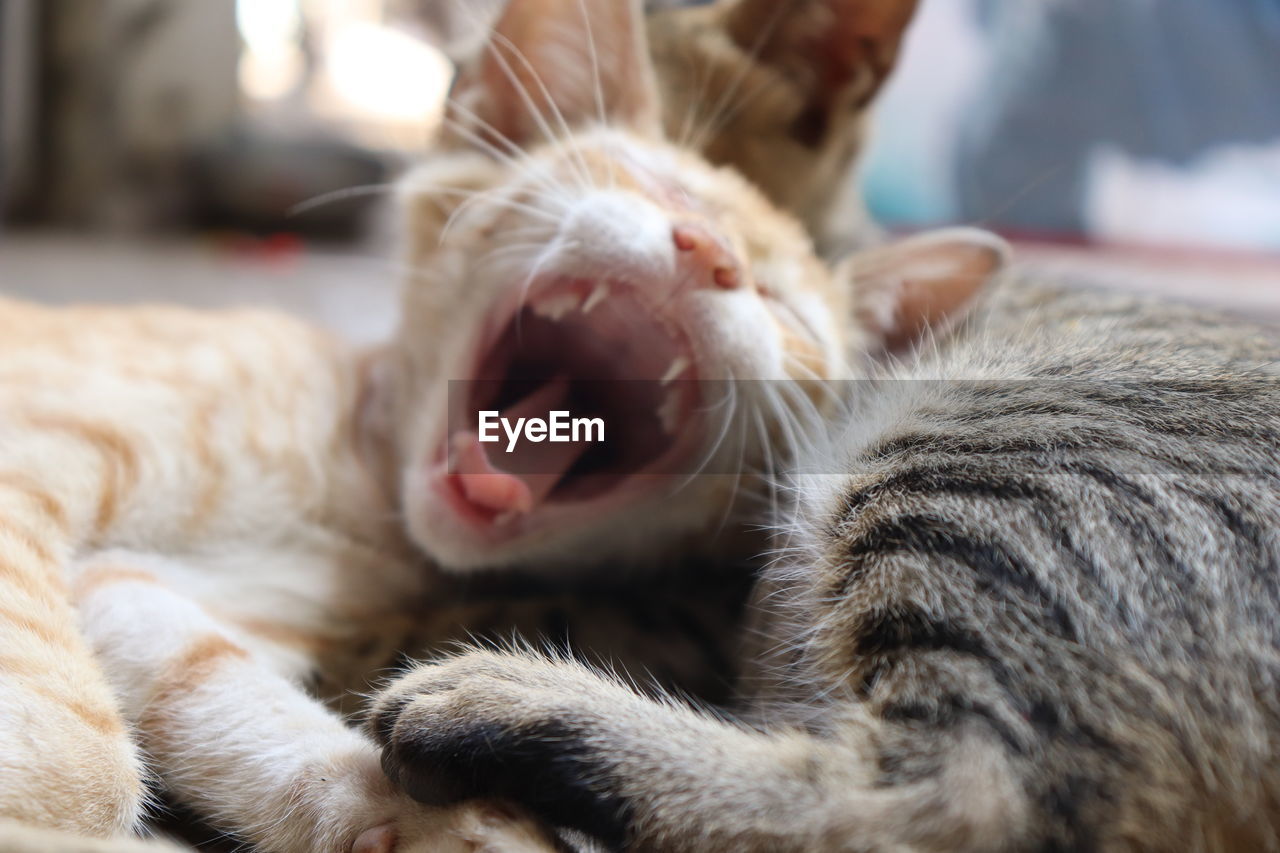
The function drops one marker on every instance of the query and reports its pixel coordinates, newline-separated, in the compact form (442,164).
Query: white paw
(477,827)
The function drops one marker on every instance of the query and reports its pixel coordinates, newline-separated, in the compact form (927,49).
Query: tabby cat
(200,511)
(1029,601)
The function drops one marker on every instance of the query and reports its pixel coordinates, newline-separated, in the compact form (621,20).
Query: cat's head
(571,256)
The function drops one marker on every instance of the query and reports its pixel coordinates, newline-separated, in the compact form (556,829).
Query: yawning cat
(198,511)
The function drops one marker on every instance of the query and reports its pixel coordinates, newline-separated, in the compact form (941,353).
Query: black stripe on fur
(996,568)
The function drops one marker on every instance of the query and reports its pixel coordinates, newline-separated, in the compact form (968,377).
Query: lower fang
(679,366)
(597,296)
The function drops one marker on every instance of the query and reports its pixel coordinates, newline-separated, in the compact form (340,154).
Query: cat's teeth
(680,365)
(669,413)
(555,307)
(597,296)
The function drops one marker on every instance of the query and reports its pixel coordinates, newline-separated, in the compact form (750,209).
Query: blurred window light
(268,25)
(272,76)
(272,64)
(386,72)
(340,63)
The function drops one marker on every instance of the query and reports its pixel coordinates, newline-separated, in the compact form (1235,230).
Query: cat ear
(840,51)
(922,285)
(550,63)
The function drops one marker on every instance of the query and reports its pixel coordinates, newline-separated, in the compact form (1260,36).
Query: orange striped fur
(226,438)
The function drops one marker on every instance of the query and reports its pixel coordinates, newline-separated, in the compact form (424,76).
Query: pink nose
(706,255)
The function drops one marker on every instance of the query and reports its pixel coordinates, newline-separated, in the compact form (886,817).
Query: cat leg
(21,838)
(244,746)
(67,759)
(586,752)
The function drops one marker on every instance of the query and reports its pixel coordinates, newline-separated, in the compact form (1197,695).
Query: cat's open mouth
(582,399)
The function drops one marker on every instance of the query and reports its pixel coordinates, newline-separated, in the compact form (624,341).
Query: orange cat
(198,510)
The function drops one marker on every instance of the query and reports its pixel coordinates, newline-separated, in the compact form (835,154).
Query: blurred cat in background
(780,91)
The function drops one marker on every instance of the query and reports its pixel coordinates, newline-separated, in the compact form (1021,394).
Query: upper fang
(555,307)
(597,296)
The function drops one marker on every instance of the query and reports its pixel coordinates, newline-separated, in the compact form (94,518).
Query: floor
(1241,283)
(351,291)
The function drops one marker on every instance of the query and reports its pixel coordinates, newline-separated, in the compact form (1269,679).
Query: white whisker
(539,118)
(338,195)
(598,84)
(519,160)
(490,196)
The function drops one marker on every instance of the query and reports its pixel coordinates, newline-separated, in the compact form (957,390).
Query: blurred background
(1138,121)
(160,149)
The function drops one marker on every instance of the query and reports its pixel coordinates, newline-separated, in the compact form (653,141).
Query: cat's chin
(623,374)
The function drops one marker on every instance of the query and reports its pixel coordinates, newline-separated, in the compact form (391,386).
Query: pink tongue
(485,485)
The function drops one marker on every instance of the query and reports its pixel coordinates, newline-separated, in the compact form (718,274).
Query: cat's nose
(707,256)
(612,233)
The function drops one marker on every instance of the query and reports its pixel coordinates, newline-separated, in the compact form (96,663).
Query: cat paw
(380,839)
(514,727)
(480,827)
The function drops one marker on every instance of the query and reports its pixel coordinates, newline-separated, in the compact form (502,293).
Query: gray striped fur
(1030,601)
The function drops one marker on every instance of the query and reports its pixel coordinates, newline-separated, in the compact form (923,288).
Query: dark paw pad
(450,735)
